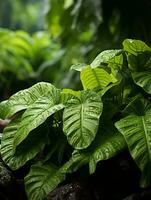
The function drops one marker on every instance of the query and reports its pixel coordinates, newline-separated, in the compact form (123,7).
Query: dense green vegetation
(26,59)
(61,109)
(111,113)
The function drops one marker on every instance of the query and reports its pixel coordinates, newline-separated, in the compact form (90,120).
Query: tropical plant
(26,57)
(60,130)
(106,28)
(84,33)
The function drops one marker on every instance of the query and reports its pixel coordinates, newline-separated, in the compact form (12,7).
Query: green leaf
(135,47)
(43,178)
(137,133)
(28,149)
(116,64)
(3,109)
(143,79)
(107,144)
(78,67)
(141,62)
(68,93)
(37,113)
(23,99)
(138,55)
(17,46)
(105,57)
(92,78)
(136,105)
(81,119)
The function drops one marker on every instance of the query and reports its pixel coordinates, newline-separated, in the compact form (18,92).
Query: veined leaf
(43,178)
(67,92)
(107,144)
(29,148)
(135,46)
(22,99)
(92,78)
(107,147)
(81,119)
(105,57)
(143,79)
(116,64)
(137,133)
(39,181)
(37,113)
(136,106)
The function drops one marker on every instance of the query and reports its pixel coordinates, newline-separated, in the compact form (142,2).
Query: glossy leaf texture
(96,78)
(143,79)
(137,133)
(105,57)
(43,178)
(28,149)
(81,119)
(23,99)
(135,47)
(39,182)
(67,94)
(138,55)
(108,143)
(37,113)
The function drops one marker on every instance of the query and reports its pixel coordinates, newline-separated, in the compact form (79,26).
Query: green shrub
(62,130)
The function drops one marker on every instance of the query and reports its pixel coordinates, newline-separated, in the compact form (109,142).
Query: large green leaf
(81,119)
(143,79)
(43,178)
(93,78)
(28,149)
(135,47)
(39,181)
(138,55)
(137,133)
(37,113)
(105,57)
(107,144)
(22,99)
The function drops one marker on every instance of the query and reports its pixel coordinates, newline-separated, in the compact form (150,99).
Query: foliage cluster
(60,130)
(22,14)
(99,24)
(26,59)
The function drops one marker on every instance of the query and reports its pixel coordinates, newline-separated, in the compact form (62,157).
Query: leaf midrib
(95,74)
(81,118)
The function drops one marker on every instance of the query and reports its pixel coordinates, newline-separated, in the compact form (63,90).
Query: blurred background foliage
(41,39)
(22,14)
